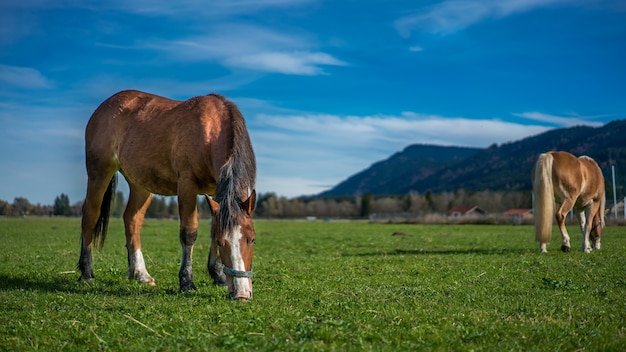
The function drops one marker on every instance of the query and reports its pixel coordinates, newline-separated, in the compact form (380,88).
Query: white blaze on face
(241,285)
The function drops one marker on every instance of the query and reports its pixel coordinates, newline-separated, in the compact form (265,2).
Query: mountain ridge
(505,167)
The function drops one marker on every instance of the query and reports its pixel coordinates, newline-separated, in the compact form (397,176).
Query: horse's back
(579,176)
(112,116)
(566,171)
(592,168)
(154,140)
(593,175)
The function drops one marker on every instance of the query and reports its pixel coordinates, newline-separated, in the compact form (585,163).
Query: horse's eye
(252,241)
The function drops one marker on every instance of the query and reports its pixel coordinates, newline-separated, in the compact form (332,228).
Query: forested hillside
(506,167)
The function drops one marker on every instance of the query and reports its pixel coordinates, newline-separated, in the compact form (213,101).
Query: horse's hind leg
(565,207)
(96,188)
(138,203)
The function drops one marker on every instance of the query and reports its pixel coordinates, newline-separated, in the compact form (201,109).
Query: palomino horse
(168,147)
(561,179)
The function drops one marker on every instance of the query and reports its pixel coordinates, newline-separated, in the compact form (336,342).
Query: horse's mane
(237,174)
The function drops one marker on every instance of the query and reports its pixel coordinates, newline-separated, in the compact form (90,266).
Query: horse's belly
(152,180)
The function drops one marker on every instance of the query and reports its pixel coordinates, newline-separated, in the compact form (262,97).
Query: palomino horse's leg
(585,226)
(96,187)
(595,237)
(188,213)
(138,203)
(561,213)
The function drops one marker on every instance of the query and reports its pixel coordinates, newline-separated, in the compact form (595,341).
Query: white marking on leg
(585,228)
(565,240)
(137,269)
(241,285)
(186,263)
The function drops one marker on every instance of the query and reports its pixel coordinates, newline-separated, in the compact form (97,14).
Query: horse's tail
(544,197)
(102,225)
(602,207)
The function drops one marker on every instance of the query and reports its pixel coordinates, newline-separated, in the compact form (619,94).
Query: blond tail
(602,208)
(544,198)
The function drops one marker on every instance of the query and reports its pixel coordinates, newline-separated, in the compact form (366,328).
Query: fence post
(614,195)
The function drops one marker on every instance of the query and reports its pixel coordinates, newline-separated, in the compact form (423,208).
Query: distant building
(519,215)
(615,209)
(458,212)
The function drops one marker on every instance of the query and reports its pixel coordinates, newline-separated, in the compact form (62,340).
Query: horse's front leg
(215,266)
(585,227)
(134,215)
(188,234)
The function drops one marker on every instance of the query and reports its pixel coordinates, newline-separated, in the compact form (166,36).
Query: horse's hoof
(187,287)
(218,279)
(565,248)
(144,280)
(219,282)
(86,279)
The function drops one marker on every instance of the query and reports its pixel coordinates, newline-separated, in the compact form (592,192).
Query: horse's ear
(215,206)
(250,203)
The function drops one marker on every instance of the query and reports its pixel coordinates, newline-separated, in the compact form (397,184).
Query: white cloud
(321,149)
(561,121)
(291,186)
(253,48)
(23,77)
(296,63)
(213,9)
(454,15)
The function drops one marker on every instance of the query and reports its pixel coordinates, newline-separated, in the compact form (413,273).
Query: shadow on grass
(471,251)
(121,288)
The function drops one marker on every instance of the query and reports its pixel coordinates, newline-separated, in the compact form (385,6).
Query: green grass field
(347,286)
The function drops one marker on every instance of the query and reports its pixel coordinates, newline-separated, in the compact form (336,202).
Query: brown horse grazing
(168,147)
(561,179)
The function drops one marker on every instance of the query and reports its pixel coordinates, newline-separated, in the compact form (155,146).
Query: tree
(408,203)
(21,206)
(118,205)
(157,208)
(5,208)
(62,205)
(77,208)
(429,200)
(366,205)
(172,207)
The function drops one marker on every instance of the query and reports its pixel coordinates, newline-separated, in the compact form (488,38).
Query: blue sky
(327,87)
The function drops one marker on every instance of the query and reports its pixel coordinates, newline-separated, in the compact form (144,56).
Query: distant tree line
(22,207)
(270,205)
(160,207)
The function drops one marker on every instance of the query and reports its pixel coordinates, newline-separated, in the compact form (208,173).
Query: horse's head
(235,244)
